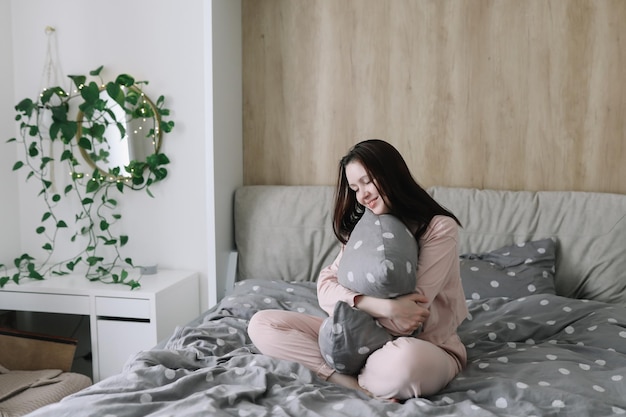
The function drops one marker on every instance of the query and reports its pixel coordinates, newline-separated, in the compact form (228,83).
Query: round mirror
(112,133)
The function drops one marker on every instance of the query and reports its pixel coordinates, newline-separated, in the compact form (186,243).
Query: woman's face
(365,188)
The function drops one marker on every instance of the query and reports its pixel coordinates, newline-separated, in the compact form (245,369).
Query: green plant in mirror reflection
(77,126)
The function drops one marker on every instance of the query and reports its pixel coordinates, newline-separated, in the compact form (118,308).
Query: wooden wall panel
(506,94)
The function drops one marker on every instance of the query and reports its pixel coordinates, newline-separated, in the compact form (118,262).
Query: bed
(545,281)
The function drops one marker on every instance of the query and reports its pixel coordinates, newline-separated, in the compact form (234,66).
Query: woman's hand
(407,314)
(402,315)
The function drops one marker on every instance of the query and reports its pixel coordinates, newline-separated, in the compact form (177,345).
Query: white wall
(170,44)
(9,214)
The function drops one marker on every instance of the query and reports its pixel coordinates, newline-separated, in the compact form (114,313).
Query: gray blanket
(542,355)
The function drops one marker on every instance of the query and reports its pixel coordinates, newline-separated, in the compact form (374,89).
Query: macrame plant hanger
(50,77)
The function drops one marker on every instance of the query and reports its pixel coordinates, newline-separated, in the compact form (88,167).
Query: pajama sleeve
(329,290)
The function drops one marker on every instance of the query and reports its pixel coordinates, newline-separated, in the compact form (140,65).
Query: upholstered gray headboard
(285,232)
(590,229)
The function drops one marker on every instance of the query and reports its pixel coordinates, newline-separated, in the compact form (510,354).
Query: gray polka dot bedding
(544,276)
(536,355)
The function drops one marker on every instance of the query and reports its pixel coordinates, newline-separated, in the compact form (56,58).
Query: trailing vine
(85,129)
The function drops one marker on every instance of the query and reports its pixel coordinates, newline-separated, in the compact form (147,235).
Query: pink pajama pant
(404,368)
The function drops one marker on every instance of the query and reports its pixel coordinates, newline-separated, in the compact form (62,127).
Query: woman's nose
(362,194)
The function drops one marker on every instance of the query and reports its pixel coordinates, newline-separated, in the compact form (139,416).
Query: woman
(374,176)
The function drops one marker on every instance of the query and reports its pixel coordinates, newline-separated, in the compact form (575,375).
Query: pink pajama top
(438,278)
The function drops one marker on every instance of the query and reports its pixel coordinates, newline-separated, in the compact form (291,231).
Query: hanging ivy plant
(90,123)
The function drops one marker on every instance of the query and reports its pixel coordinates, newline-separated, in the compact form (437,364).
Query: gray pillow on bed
(379,260)
(513,271)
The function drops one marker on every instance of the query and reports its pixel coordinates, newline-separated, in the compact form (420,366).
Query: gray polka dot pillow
(512,271)
(379,260)
(380,257)
(349,337)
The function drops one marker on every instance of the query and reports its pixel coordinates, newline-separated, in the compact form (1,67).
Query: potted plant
(88,123)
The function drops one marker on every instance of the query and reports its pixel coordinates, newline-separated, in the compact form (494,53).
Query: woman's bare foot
(347,381)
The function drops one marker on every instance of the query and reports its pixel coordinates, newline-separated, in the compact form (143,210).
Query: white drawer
(133,308)
(48,303)
(118,341)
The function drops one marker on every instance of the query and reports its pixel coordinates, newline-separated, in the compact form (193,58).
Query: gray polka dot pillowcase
(512,271)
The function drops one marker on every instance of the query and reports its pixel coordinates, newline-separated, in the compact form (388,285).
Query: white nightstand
(122,321)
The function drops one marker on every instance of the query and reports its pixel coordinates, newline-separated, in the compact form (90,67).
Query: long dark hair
(386,167)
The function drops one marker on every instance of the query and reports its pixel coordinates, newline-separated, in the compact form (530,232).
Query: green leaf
(93,260)
(55,128)
(72,264)
(46,95)
(121,127)
(104,225)
(163,159)
(26,107)
(40,230)
(47,247)
(59,113)
(68,130)
(133,284)
(129,261)
(67,154)
(56,198)
(97,131)
(125,80)
(18,165)
(35,275)
(96,72)
(32,272)
(84,143)
(167,126)
(45,216)
(78,80)
(123,240)
(61,224)
(33,151)
(44,161)
(68,189)
(137,179)
(90,93)
(110,242)
(86,201)
(160,173)
(132,97)
(120,187)
(92,185)
(116,93)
